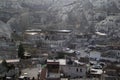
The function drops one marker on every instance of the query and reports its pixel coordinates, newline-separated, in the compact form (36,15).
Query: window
(80,70)
(76,69)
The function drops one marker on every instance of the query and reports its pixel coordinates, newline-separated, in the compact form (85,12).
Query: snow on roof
(61,31)
(34,30)
(96,71)
(11,61)
(80,63)
(101,34)
(31,33)
(61,61)
(21,77)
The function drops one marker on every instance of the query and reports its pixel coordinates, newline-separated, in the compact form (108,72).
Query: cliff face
(5,30)
(80,15)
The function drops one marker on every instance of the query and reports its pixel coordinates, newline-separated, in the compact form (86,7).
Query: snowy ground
(30,72)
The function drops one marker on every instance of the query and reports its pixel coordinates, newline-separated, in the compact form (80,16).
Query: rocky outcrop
(80,15)
(5,30)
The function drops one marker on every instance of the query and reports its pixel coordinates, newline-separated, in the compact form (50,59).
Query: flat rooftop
(11,61)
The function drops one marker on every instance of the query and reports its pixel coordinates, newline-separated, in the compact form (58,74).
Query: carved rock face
(5,30)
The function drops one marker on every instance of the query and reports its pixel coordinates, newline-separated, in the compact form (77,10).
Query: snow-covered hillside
(80,14)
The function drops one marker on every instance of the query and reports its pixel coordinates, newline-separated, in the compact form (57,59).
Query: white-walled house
(74,70)
(112,55)
(93,54)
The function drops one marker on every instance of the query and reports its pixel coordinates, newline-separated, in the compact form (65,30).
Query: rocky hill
(80,15)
